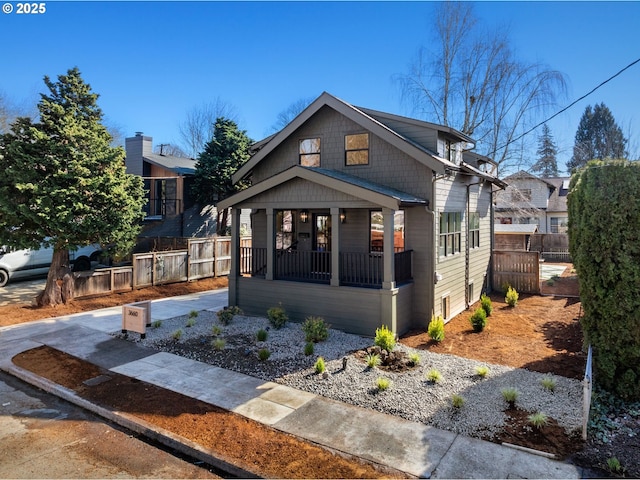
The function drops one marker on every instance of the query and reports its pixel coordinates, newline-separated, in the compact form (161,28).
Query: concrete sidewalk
(414,448)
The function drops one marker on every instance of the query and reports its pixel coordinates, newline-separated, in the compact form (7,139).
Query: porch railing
(356,269)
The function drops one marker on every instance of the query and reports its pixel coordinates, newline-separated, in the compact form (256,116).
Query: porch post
(388,256)
(335,247)
(271,240)
(234,271)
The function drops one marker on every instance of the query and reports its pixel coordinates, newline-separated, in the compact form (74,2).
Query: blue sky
(152,61)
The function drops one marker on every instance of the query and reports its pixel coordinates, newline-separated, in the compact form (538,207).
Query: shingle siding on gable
(479,258)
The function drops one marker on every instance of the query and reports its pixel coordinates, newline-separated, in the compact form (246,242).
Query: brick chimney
(136,148)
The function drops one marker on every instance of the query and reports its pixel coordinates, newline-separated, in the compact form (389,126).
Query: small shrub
(219,344)
(261,335)
(308,349)
(414,359)
(614,465)
(510,395)
(320,366)
(193,314)
(191,322)
(177,335)
(373,360)
(457,401)
(385,338)
(157,324)
(538,420)
(226,314)
(264,354)
(434,376)
(478,320)
(482,371)
(436,328)
(277,317)
(548,383)
(216,330)
(383,383)
(315,329)
(485,303)
(512,297)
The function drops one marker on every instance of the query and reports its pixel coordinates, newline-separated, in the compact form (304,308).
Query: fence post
(188,259)
(215,257)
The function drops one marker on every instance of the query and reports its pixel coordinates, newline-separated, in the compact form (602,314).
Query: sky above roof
(153,61)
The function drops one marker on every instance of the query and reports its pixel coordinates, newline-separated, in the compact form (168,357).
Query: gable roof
(527,175)
(180,165)
(411,148)
(558,198)
(342,182)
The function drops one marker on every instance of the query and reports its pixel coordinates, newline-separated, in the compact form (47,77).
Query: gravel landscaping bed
(410,396)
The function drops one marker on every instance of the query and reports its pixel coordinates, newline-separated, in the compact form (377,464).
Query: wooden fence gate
(521,270)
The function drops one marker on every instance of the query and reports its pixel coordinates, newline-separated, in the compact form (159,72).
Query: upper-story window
(450,233)
(356,149)
(474,230)
(310,152)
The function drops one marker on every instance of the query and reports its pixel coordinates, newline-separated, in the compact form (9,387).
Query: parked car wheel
(4,277)
(82,264)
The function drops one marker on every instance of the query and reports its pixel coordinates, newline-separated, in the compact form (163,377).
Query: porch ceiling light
(343,216)
(304,216)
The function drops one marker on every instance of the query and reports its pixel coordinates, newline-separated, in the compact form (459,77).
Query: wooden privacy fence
(203,258)
(521,270)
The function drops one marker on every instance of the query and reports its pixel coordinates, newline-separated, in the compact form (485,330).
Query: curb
(130,422)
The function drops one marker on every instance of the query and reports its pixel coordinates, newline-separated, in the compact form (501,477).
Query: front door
(322,233)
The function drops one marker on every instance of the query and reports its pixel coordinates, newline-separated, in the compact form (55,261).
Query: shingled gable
(420,153)
(357,187)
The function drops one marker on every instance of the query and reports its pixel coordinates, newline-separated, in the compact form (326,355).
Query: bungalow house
(533,200)
(364,218)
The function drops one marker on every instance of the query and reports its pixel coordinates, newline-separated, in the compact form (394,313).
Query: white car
(16,264)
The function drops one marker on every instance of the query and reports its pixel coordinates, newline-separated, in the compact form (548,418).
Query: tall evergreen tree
(223,155)
(598,138)
(64,185)
(547,164)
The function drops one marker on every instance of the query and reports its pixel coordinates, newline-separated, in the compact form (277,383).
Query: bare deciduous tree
(169,149)
(288,114)
(473,83)
(197,129)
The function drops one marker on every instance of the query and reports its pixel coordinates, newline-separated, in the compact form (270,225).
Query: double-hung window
(474,230)
(309,152)
(356,149)
(450,233)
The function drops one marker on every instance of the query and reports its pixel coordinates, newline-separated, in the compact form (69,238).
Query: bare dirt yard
(542,333)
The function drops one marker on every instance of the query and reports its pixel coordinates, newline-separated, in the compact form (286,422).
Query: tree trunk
(60,283)
(223,216)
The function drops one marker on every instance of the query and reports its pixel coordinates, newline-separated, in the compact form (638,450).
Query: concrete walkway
(414,448)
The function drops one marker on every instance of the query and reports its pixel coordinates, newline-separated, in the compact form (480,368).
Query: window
(285,229)
(310,152)
(450,233)
(474,230)
(356,149)
(558,225)
(376,227)
(521,195)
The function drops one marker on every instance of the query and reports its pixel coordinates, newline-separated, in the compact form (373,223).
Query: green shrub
(383,383)
(157,324)
(216,330)
(261,335)
(548,383)
(457,401)
(264,354)
(191,322)
(478,320)
(414,358)
(219,344)
(511,297)
(434,376)
(538,420)
(373,360)
(436,328)
(320,366)
(193,314)
(614,465)
(482,371)
(177,335)
(510,395)
(315,329)
(385,339)
(277,317)
(309,348)
(485,303)
(226,314)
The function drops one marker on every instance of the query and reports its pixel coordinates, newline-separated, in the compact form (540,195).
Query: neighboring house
(363,218)
(534,200)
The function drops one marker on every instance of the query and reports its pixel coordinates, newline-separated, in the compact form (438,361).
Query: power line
(566,108)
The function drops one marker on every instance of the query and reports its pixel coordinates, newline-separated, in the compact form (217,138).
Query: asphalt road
(43,436)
